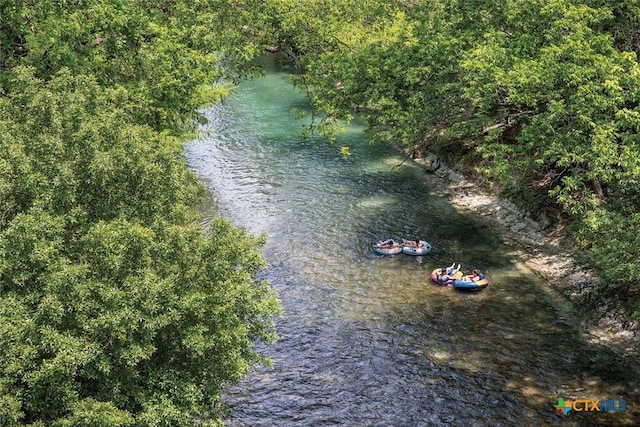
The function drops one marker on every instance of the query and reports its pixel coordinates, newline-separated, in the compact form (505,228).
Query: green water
(369,340)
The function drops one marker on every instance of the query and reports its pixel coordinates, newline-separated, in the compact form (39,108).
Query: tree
(148,323)
(116,306)
(166,54)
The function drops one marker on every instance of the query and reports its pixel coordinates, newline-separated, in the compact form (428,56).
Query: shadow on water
(369,340)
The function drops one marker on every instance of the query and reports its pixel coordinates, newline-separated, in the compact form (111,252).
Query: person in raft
(474,277)
(447,273)
(477,275)
(451,271)
(387,244)
(414,243)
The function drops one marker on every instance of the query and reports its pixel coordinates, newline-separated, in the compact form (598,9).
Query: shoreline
(542,252)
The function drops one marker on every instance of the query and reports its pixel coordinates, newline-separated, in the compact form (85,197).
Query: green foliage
(116,307)
(615,249)
(137,318)
(71,146)
(90,413)
(166,54)
(624,26)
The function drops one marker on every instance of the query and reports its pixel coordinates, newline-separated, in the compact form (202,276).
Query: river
(369,340)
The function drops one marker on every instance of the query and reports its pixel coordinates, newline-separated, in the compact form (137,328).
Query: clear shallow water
(369,340)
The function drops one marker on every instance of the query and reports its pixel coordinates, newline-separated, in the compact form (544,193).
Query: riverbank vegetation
(538,99)
(116,307)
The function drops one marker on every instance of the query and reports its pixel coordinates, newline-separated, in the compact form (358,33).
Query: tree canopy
(116,306)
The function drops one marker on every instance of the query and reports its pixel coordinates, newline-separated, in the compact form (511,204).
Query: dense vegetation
(116,308)
(540,99)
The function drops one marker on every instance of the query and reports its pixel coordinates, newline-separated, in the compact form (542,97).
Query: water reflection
(368,340)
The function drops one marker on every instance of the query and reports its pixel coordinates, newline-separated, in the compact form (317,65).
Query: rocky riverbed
(543,253)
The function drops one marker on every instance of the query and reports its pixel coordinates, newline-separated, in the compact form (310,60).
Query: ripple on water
(369,340)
